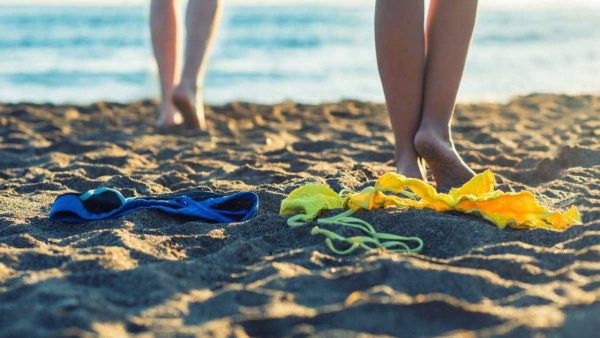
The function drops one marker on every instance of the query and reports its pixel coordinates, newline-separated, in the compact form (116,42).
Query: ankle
(165,106)
(189,86)
(433,129)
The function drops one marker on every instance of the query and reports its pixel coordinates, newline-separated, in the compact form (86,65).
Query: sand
(148,274)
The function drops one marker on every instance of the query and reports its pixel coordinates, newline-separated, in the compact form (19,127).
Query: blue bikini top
(106,203)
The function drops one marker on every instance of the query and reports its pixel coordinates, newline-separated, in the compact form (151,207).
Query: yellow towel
(478,196)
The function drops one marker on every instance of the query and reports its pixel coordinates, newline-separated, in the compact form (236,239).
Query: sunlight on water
(308,53)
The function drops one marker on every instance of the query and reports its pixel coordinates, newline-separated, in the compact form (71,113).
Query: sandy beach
(148,274)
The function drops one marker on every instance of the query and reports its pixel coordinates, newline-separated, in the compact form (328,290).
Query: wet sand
(148,274)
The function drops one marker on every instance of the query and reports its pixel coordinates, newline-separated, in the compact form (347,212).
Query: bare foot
(168,115)
(447,167)
(410,166)
(185,98)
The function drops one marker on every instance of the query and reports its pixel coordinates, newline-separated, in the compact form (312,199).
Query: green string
(370,241)
(297,220)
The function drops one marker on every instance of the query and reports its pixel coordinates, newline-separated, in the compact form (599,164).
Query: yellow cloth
(517,210)
(311,199)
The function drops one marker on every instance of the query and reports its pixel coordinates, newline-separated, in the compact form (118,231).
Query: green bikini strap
(369,241)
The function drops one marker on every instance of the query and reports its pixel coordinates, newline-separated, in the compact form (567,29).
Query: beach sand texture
(150,274)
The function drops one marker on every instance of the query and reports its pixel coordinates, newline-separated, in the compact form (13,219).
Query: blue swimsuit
(105,203)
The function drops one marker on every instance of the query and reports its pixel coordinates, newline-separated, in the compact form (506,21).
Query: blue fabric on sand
(106,203)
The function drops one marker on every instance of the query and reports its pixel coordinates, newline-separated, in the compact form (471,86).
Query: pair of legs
(183,93)
(420,68)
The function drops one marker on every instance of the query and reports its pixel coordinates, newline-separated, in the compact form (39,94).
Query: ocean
(309,53)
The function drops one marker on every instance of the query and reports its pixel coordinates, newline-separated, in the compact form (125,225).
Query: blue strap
(69,208)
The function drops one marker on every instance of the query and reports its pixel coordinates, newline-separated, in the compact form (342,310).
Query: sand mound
(149,273)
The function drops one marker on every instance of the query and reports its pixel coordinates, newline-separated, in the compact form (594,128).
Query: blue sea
(309,53)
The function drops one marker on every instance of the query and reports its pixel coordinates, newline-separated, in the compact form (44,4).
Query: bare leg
(399,39)
(449,29)
(201,21)
(164,30)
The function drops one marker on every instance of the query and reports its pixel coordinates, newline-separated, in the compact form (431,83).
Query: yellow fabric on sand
(310,200)
(478,196)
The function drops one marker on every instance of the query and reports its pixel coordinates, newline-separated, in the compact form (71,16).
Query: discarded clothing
(519,210)
(310,200)
(106,203)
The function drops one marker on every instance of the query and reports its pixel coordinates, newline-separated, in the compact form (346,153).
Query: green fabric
(369,241)
(309,201)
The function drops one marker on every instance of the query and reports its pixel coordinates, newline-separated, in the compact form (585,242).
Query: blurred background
(269,51)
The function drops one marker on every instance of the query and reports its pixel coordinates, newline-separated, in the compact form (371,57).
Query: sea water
(309,53)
